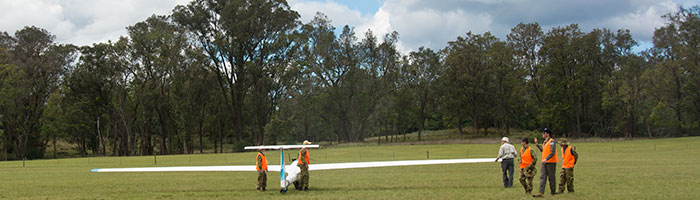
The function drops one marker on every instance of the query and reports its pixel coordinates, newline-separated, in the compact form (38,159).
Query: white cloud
(430,27)
(81,22)
(643,22)
(416,27)
(434,23)
(340,15)
(418,22)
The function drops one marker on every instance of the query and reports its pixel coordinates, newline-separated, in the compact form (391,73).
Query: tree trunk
(221,139)
(116,151)
(17,152)
(101,142)
(237,101)
(24,145)
(4,148)
(404,135)
(146,144)
(163,134)
(578,122)
(476,126)
(421,114)
(393,132)
(503,126)
(115,140)
(54,146)
(459,125)
(201,135)
(83,146)
(216,144)
(508,129)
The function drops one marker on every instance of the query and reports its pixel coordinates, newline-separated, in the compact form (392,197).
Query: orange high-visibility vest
(546,150)
(306,157)
(264,162)
(568,159)
(526,157)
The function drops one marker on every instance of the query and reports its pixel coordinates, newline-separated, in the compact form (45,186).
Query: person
(507,152)
(303,163)
(569,159)
(527,161)
(261,167)
(549,163)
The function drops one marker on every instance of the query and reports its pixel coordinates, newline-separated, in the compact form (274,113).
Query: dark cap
(546,130)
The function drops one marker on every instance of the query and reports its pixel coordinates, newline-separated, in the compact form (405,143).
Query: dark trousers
(548,171)
(507,167)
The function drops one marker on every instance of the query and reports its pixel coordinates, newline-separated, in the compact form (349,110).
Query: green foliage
(346,83)
(37,65)
(238,146)
(249,72)
(662,117)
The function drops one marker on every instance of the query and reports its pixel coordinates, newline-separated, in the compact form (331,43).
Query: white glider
(289,174)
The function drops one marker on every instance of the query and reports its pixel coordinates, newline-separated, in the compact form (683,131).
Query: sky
(429,23)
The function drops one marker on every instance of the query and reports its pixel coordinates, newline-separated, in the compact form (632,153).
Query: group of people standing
(302,163)
(528,162)
(507,154)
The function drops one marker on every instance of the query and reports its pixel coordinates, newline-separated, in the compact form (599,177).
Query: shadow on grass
(327,189)
(398,188)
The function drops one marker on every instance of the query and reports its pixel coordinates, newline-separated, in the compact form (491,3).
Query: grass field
(639,169)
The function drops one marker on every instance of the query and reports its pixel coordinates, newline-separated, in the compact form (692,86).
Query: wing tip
(95,170)
(277,147)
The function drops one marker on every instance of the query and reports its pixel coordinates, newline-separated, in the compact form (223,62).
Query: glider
(289,174)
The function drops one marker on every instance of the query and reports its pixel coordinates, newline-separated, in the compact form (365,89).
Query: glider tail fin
(283,182)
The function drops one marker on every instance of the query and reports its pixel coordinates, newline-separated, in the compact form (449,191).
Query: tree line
(248,72)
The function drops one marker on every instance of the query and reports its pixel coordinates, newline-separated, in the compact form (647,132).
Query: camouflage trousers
(304,176)
(262,180)
(566,179)
(526,175)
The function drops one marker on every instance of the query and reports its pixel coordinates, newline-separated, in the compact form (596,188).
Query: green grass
(452,136)
(607,170)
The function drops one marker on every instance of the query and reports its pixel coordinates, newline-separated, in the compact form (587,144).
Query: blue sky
(429,23)
(434,23)
(364,6)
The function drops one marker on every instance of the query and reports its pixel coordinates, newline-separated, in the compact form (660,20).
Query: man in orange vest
(303,163)
(569,159)
(549,163)
(527,165)
(261,166)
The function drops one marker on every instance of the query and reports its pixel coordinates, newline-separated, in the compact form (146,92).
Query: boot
(538,195)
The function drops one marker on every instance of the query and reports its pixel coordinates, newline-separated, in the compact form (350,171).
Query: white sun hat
(505,139)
